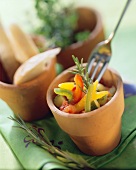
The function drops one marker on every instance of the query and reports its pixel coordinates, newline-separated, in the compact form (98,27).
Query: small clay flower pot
(89,19)
(97,132)
(29,99)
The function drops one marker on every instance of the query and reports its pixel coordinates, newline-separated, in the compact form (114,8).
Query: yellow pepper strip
(67,85)
(93,95)
(64,92)
(97,95)
(81,104)
(95,84)
(77,92)
(89,98)
(97,103)
(101,94)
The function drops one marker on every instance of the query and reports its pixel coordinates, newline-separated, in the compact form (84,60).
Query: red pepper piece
(77,91)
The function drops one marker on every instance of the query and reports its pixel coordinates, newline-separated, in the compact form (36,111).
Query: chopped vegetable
(77,100)
(89,98)
(64,92)
(101,87)
(95,105)
(76,108)
(77,91)
(67,85)
(102,101)
(59,100)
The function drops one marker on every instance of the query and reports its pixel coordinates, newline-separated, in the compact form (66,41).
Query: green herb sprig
(66,158)
(80,69)
(57,21)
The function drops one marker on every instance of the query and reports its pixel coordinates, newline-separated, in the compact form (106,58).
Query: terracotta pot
(97,132)
(89,19)
(29,99)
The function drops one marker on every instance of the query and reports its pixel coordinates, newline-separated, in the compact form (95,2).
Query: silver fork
(101,54)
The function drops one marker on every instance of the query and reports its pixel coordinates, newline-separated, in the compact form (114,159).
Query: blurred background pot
(89,19)
(29,99)
(97,132)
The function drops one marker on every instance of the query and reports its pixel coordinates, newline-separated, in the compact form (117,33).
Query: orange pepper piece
(77,91)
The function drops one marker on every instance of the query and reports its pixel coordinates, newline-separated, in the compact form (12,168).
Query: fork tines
(97,66)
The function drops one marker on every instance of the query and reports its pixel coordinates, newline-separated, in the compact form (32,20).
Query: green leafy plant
(66,158)
(57,22)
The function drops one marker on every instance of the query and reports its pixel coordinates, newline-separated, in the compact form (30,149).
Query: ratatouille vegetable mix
(81,95)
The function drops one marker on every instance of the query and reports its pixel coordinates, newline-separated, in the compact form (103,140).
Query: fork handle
(122,14)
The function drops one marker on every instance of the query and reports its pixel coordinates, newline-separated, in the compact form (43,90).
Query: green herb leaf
(80,69)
